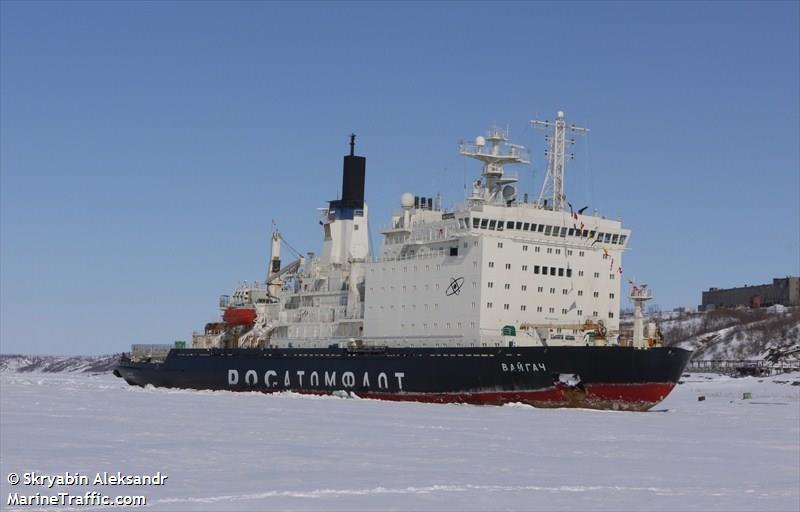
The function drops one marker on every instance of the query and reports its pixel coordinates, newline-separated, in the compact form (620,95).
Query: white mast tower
(639,295)
(553,185)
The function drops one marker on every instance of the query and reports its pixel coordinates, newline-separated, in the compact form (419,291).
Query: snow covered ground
(228,451)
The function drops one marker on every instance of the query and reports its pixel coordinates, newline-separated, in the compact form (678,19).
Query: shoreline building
(784,291)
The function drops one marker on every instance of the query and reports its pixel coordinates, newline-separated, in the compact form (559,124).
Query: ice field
(229,451)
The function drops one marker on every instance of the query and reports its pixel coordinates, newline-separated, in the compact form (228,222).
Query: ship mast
(498,153)
(553,185)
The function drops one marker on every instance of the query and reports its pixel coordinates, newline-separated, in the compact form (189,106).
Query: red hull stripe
(654,392)
(595,396)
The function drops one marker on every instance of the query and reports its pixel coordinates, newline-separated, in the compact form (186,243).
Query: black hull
(606,377)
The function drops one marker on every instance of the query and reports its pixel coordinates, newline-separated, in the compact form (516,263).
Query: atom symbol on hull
(455,286)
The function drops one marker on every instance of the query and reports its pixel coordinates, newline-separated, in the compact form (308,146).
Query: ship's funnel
(353,175)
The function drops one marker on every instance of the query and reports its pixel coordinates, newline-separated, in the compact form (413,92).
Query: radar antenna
(553,185)
(494,156)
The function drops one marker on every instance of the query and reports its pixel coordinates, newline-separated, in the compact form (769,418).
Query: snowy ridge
(736,334)
(57,364)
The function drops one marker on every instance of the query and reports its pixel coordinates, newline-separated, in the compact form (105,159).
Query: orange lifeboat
(239,316)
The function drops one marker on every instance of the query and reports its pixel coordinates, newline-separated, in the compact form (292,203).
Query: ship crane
(639,295)
(553,185)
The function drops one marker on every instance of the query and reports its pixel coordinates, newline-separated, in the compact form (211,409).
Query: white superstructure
(497,270)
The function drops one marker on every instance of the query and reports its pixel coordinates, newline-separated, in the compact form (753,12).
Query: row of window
(550,250)
(540,289)
(435,325)
(460,325)
(540,309)
(490,284)
(553,271)
(546,229)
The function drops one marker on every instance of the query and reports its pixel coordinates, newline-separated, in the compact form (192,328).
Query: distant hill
(52,364)
(764,333)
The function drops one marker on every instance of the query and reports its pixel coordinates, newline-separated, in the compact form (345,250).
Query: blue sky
(145,147)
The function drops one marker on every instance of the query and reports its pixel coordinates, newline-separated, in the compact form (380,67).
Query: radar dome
(480,141)
(407,200)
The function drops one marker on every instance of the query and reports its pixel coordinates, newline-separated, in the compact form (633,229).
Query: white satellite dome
(480,141)
(407,200)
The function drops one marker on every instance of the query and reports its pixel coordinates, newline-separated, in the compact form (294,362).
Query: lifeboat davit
(239,316)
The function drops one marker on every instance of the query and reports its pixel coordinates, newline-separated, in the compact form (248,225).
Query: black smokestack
(353,175)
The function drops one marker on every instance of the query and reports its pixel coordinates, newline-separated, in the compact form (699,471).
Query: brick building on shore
(784,291)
